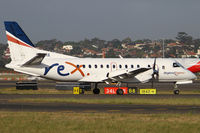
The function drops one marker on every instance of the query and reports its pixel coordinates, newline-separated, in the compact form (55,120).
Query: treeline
(187,42)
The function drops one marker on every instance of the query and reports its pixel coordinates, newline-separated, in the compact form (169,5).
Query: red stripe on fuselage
(16,41)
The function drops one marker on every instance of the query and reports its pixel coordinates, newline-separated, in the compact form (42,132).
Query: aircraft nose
(192,75)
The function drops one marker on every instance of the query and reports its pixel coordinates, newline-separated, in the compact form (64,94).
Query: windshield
(176,64)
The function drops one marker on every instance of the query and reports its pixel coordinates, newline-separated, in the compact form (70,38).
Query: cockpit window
(176,64)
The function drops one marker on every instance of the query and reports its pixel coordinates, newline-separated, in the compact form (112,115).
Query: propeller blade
(154,64)
(155,73)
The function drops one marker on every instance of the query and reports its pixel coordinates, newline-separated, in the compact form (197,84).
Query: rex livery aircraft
(25,58)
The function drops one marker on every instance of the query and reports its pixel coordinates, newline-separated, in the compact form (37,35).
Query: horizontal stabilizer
(32,74)
(35,60)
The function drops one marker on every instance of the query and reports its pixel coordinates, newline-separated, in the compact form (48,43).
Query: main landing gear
(176,90)
(119,90)
(96,90)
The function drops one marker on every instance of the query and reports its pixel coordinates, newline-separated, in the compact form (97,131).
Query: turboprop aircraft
(25,58)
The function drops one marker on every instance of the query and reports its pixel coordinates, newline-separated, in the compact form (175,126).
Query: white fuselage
(67,70)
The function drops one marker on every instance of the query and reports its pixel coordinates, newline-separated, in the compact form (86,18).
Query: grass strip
(62,122)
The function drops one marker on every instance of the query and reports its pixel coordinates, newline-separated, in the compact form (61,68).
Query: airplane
(27,59)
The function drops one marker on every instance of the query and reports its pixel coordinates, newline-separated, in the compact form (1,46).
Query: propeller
(155,74)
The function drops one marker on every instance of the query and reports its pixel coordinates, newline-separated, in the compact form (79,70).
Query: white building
(68,47)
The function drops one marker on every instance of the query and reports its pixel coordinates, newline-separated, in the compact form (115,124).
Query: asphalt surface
(96,108)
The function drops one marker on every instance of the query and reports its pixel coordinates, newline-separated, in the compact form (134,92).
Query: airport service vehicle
(25,58)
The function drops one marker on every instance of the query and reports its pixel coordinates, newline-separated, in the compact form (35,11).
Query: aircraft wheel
(120,92)
(176,92)
(96,91)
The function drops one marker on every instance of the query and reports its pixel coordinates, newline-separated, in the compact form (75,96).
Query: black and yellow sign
(147,91)
(76,90)
(132,90)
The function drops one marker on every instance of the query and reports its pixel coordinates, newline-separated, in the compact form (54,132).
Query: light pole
(163,49)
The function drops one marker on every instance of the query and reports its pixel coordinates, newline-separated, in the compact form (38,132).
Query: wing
(141,74)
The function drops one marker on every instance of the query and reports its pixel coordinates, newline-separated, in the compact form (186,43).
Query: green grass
(63,122)
(143,101)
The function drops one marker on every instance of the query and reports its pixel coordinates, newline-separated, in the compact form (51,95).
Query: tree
(127,40)
(196,43)
(167,41)
(110,54)
(76,50)
(115,43)
(184,38)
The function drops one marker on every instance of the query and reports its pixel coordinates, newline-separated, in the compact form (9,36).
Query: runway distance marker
(147,91)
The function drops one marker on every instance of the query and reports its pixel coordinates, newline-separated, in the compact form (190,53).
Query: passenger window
(89,66)
(83,66)
(163,67)
(107,66)
(138,66)
(77,66)
(126,66)
(101,66)
(95,66)
(120,66)
(113,66)
(149,66)
(132,66)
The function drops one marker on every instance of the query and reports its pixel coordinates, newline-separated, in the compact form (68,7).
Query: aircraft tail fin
(21,47)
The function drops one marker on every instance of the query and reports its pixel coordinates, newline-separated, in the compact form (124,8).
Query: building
(67,48)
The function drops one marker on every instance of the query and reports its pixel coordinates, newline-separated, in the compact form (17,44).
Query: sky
(75,20)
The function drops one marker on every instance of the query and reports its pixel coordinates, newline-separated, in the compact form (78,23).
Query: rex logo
(61,68)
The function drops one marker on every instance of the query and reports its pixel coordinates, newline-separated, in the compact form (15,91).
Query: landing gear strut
(96,90)
(119,91)
(176,90)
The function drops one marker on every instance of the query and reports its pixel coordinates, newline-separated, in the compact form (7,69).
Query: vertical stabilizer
(21,47)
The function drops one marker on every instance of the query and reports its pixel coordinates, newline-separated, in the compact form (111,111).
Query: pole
(163,48)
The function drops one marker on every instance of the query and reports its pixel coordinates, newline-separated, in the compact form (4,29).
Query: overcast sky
(75,20)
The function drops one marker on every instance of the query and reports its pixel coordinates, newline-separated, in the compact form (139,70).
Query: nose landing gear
(176,90)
